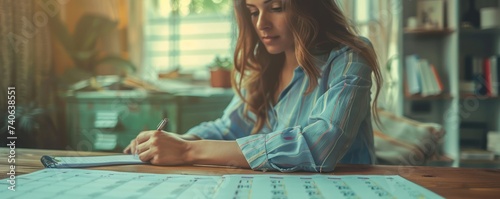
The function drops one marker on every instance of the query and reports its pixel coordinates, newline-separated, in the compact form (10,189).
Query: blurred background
(89,75)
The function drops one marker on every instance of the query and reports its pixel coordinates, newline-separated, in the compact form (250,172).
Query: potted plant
(34,125)
(220,72)
(81,47)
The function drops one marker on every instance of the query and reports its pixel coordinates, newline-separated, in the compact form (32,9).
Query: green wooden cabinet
(108,120)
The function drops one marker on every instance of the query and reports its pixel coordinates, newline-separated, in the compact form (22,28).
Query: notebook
(88,161)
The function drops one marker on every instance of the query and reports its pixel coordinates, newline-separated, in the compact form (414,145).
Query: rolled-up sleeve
(331,127)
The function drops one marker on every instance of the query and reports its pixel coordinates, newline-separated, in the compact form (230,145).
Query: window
(360,12)
(187,34)
(377,20)
(363,14)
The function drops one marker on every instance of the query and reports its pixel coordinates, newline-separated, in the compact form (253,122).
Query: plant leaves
(84,55)
(221,63)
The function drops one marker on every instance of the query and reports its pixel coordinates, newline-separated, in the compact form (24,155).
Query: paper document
(320,186)
(88,161)
(81,183)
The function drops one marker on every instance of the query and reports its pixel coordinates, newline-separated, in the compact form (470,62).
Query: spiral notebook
(88,161)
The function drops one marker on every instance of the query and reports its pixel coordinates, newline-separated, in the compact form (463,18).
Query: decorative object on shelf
(471,18)
(412,23)
(493,139)
(489,18)
(430,14)
(220,72)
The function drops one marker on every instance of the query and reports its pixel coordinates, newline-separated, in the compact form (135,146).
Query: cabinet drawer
(98,122)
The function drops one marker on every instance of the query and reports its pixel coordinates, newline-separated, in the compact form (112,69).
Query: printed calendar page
(83,183)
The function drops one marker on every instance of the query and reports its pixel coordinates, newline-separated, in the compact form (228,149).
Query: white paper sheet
(80,183)
(90,161)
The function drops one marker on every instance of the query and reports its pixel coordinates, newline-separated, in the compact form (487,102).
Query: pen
(160,127)
(162,124)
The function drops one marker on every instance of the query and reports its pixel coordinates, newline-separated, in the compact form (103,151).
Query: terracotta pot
(220,78)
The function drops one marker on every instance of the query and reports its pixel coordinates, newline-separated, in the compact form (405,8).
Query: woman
(303,80)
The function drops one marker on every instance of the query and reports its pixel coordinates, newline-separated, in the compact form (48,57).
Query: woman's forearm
(216,152)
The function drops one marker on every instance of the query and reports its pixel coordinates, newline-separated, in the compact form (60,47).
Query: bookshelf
(445,96)
(428,32)
(446,47)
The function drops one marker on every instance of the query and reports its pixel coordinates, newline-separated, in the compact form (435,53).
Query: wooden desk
(447,182)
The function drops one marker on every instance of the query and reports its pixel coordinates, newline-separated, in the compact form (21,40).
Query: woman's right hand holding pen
(163,148)
(131,148)
(160,148)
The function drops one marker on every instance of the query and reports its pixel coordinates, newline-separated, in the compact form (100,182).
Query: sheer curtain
(378,21)
(26,65)
(135,37)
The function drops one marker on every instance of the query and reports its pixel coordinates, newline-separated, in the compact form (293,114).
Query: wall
(113,43)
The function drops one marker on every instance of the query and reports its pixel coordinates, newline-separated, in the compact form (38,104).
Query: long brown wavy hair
(316,23)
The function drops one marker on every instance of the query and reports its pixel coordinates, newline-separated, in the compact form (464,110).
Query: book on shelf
(493,83)
(467,88)
(426,78)
(483,73)
(437,79)
(413,75)
(476,154)
(487,75)
(422,77)
(493,140)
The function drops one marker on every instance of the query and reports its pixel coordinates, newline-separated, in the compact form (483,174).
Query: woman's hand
(133,143)
(160,148)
